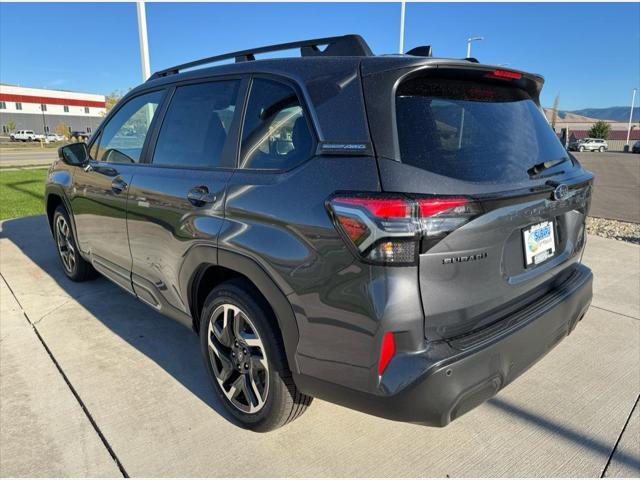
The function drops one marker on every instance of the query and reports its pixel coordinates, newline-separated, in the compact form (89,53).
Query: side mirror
(74,154)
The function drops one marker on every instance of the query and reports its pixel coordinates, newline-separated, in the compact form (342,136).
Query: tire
(271,399)
(581,149)
(601,149)
(74,266)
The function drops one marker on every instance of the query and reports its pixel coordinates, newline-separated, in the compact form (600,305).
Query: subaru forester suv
(399,234)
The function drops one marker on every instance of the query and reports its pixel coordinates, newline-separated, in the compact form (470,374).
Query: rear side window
(275,134)
(194,130)
(473,131)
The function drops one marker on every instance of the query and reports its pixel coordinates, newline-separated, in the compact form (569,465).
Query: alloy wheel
(64,240)
(238,358)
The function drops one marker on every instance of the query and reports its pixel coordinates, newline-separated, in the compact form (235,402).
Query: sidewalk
(140,378)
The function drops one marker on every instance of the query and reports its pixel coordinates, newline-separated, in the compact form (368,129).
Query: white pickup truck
(26,136)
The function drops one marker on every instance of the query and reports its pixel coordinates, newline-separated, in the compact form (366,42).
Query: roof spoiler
(342,46)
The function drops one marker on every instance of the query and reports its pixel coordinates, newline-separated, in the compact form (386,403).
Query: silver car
(593,145)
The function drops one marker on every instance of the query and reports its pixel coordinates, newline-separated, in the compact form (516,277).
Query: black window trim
(308,118)
(234,130)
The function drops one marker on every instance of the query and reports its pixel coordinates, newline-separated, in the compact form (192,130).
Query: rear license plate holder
(539,242)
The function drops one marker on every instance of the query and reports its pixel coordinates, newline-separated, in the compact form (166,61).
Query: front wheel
(75,267)
(245,359)
(581,149)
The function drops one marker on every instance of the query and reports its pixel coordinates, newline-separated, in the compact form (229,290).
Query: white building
(44,110)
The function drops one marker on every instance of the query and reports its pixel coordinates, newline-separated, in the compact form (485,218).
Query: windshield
(473,131)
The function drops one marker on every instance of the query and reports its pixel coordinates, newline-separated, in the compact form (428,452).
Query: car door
(100,189)
(177,199)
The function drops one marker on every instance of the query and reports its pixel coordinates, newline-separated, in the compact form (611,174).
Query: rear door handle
(200,196)
(118,185)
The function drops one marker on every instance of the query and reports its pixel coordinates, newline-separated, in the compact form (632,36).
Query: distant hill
(569,116)
(618,114)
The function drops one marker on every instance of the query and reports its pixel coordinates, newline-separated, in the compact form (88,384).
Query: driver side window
(123,137)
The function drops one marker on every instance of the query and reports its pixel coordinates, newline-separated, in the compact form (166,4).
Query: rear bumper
(448,379)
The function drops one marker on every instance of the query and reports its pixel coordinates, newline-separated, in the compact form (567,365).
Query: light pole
(469,40)
(144,45)
(633,100)
(402,7)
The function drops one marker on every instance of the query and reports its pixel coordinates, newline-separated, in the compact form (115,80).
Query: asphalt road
(616,194)
(616,191)
(31,157)
(95,383)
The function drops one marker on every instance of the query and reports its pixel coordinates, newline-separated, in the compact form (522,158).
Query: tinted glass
(195,127)
(123,137)
(472,131)
(275,135)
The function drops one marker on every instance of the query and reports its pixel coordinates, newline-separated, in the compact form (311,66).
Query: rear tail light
(390,229)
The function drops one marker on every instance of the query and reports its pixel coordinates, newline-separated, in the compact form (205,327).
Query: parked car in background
(79,136)
(593,145)
(369,230)
(54,137)
(573,146)
(636,147)
(25,136)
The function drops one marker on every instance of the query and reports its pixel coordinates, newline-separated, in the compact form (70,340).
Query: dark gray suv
(398,234)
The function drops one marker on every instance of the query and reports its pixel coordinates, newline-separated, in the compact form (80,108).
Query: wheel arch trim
(200,257)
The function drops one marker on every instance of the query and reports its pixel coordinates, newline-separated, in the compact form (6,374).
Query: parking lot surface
(616,192)
(95,383)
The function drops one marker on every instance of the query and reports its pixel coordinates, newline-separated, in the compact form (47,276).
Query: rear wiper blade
(541,167)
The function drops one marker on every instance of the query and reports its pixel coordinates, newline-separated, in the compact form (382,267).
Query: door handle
(200,196)
(118,185)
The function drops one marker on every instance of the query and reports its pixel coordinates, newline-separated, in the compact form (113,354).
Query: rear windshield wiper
(541,167)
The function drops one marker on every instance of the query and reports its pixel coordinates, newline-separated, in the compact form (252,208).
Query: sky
(589,53)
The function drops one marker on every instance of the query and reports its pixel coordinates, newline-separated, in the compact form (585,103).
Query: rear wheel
(245,359)
(74,266)
(601,149)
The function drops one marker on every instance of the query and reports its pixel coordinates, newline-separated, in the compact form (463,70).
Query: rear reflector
(387,351)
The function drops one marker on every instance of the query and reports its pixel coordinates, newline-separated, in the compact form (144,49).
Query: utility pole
(144,45)
(402,8)
(633,100)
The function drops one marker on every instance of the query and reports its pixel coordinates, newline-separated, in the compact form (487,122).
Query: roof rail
(341,46)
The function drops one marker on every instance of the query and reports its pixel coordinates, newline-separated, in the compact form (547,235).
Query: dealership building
(43,110)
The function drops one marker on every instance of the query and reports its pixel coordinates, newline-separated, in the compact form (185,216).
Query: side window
(275,134)
(195,128)
(123,137)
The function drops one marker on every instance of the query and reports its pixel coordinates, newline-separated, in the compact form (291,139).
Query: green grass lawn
(21,192)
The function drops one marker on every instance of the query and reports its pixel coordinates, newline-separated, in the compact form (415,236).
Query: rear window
(472,131)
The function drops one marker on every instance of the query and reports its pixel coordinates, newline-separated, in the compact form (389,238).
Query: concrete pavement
(140,379)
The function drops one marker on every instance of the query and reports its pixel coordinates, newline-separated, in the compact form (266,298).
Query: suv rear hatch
(476,134)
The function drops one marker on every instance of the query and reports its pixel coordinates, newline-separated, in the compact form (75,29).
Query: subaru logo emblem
(561,192)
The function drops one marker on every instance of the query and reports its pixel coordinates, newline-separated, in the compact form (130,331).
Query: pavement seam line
(93,423)
(617,313)
(615,447)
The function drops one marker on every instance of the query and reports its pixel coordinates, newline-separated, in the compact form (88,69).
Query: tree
(600,129)
(11,125)
(62,129)
(111,99)
(554,112)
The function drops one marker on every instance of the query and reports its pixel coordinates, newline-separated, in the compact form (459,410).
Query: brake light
(387,229)
(387,351)
(504,75)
